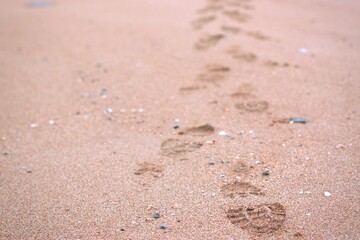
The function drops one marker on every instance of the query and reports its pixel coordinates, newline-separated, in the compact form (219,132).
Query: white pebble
(340,146)
(109,110)
(327,194)
(51,122)
(222,133)
(303,50)
(33,125)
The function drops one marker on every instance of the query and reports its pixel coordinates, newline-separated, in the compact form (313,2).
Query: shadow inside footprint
(213,73)
(208,41)
(202,130)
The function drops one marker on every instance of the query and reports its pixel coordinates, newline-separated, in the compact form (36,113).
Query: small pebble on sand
(163,226)
(266,172)
(327,194)
(298,120)
(156,215)
(303,50)
(34,125)
(222,133)
(51,122)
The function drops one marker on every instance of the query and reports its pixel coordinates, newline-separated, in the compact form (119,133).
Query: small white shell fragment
(222,133)
(303,50)
(51,122)
(327,194)
(140,110)
(34,125)
(109,110)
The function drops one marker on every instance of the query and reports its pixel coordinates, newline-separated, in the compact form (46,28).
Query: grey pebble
(163,226)
(298,120)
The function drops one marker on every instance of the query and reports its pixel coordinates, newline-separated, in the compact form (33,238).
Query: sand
(111,112)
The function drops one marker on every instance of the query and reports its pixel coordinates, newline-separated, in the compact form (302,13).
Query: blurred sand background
(94,95)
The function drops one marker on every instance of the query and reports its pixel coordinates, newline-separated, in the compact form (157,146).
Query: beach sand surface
(113,111)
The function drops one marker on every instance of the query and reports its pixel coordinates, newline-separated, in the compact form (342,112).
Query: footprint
(202,21)
(230,29)
(253,106)
(242,189)
(244,91)
(211,9)
(237,16)
(258,219)
(236,53)
(214,73)
(270,63)
(241,169)
(208,41)
(280,121)
(149,168)
(203,130)
(240,4)
(258,35)
(191,88)
(174,147)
